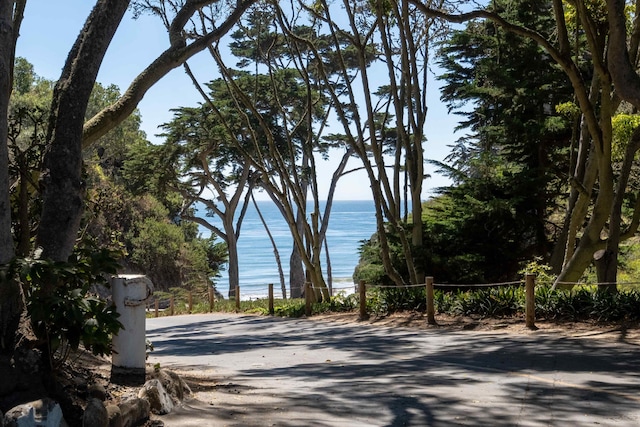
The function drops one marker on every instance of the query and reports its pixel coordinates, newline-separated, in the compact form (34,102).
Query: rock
(115,416)
(97,392)
(175,386)
(41,413)
(160,401)
(134,411)
(95,414)
(30,360)
(164,392)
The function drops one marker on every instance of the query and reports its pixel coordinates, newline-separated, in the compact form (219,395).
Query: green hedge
(582,303)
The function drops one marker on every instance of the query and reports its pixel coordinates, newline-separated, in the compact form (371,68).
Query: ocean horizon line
(351,223)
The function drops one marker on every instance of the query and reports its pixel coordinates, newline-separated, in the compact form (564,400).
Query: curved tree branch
(623,73)
(171,58)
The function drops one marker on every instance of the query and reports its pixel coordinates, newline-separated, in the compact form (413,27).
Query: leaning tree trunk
(276,253)
(7,43)
(11,295)
(297,276)
(63,184)
(232,249)
(606,260)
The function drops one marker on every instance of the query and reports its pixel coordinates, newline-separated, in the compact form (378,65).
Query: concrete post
(130,295)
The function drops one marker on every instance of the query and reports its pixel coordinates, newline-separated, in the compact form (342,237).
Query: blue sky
(50,28)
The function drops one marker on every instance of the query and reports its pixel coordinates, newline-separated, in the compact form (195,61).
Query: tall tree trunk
(12,313)
(8,34)
(296,270)
(607,259)
(63,184)
(232,248)
(276,253)
(24,230)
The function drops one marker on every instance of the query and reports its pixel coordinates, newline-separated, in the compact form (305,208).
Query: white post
(130,294)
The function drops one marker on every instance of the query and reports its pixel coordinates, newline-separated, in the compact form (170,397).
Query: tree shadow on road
(401,377)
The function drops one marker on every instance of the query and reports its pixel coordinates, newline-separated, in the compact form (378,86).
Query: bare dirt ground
(626,331)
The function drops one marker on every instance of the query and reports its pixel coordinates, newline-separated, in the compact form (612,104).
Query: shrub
(63,313)
(584,303)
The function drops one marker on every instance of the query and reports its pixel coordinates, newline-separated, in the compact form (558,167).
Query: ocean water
(350,222)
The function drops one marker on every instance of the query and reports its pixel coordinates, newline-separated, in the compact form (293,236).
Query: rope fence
(184,302)
(529,282)
(599,283)
(429,284)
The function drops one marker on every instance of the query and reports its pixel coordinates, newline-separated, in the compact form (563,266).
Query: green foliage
(290,308)
(130,207)
(475,235)
(579,304)
(162,246)
(588,303)
(370,268)
(282,307)
(384,301)
(489,302)
(344,302)
(623,126)
(496,215)
(62,311)
(568,109)
(112,150)
(543,274)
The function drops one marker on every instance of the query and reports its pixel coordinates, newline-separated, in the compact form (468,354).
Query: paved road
(297,372)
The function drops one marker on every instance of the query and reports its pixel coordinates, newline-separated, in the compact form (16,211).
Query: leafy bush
(291,308)
(370,268)
(489,302)
(543,274)
(584,303)
(344,302)
(546,302)
(62,311)
(387,300)
(579,304)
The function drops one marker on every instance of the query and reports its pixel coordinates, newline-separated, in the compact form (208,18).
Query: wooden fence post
(237,298)
(190,302)
(211,299)
(157,306)
(307,298)
(362,293)
(171,305)
(271,310)
(530,301)
(431,307)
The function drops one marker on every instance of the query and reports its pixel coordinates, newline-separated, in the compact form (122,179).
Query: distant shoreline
(340,285)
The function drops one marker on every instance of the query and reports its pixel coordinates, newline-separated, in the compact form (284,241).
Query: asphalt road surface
(267,371)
